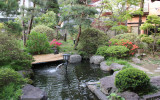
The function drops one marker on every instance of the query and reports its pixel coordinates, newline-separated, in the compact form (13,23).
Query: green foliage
(114,96)
(128,36)
(12,53)
(9,7)
(52,5)
(8,75)
(13,28)
(1,26)
(102,50)
(44,29)
(112,41)
(111,60)
(11,83)
(118,17)
(38,43)
(132,79)
(117,51)
(158,41)
(10,92)
(47,19)
(79,14)
(147,40)
(90,40)
(143,35)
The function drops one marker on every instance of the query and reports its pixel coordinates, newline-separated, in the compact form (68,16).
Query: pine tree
(78,15)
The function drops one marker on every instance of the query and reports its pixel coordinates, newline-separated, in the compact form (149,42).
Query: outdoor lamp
(66,59)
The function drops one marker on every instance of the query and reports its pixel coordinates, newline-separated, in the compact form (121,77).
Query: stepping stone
(158,68)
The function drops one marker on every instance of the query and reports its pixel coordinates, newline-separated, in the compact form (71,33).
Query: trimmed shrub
(8,75)
(44,29)
(38,43)
(147,40)
(102,50)
(128,36)
(12,53)
(132,79)
(90,40)
(117,51)
(11,83)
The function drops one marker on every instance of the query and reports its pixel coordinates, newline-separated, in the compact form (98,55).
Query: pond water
(60,85)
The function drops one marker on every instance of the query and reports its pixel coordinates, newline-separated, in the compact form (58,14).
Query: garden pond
(60,85)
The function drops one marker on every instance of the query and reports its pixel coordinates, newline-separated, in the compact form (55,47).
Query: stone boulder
(136,60)
(32,93)
(26,73)
(75,59)
(104,66)
(96,59)
(115,66)
(107,85)
(129,95)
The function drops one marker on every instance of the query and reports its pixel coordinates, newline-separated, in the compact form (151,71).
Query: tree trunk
(154,38)
(140,16)
(78,37)
(24,35)
(31,21)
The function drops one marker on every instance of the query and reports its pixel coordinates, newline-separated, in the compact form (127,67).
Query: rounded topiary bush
(117,51)
(102,50)
(38,43)
(90,40)
(45,29)
(131,79)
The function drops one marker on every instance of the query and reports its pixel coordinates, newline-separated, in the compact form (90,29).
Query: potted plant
(55,46)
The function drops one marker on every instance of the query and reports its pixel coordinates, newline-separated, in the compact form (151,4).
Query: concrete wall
(154,8)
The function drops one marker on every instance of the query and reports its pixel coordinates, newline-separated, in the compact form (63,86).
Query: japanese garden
(79,49)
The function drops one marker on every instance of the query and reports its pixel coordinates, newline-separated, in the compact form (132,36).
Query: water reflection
(67,86)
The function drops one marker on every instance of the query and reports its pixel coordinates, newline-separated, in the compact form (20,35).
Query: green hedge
(117,51)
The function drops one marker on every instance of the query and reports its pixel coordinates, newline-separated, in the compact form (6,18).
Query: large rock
(26,73)
(129,95)
(107,85)
(32,93)
(75,59)
(115,66)
(104,66)
(96,59)
(136,60)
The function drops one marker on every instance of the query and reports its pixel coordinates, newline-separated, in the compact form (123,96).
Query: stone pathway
(141,68)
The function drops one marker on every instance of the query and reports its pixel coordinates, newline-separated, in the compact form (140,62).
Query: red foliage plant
(54,43)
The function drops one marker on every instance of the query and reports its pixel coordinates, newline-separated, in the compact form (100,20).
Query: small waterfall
(59,66)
